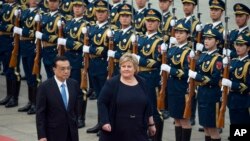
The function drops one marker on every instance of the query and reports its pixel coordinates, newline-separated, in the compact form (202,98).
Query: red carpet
(4,138)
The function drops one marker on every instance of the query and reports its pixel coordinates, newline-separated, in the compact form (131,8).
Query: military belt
(92,56)
(26,38)
(47,44)
(5,33)
(146,69)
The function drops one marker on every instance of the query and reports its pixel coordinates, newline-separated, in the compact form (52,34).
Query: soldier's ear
(217,42)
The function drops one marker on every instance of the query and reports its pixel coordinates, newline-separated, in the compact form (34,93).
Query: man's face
(215,14)
(101,15)
(78,10)
(125,19)
(62,70)
(116,1)
(53,5)
(164,4)
(32,3)
(141,3)
(188,8)
(241,19)
(152,25)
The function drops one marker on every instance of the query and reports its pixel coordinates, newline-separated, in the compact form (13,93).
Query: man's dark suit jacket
(53,120)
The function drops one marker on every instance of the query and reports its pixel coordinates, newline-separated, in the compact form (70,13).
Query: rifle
(111,47)
(221,118)
(36,66)
(61,49)
(14,53)
(84,77)
(191,86)
(135,42)
(164,76)
(199,35)
(149,4)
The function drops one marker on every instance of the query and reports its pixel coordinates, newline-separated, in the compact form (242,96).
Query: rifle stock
(221,117)
(36,66)
(111,59)
(84,77)
(61,49)
(161,96)
(14,53)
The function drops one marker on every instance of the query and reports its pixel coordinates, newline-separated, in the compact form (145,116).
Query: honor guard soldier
(66,9)
(242,13)
(98,50)
(122,37)
(7,18)
(216,10)
(239,82)
(90,12)
(208,74)
(149,63)
(24,4)
(114,13)
(166,32)
(139,16)
(49,35)
(72,40)
(27,53)
(167,17)
(177,67)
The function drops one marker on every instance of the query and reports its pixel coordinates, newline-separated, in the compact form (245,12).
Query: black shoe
(220,130)
(92,96)
(80,123)
(201,129)
(12,103)
(25,108)
(32,110)
(229,138)
(2,73)
(94,129)
(165,114)
(23,78)
(5,100)
(192,121)
(98,133)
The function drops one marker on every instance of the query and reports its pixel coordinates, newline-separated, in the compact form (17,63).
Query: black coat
(53,121)
(107,106)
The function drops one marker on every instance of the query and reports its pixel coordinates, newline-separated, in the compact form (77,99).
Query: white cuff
(226,82)
(165,67)
(111,53)
(18,30)
(199,47)
(192,74)
(39,35)
(85,49)
(61,41)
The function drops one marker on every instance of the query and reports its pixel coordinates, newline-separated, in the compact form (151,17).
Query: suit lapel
(70,90)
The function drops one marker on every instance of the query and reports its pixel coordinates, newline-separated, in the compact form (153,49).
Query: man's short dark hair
(59,58)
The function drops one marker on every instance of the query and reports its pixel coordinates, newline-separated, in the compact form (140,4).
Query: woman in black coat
(124,107)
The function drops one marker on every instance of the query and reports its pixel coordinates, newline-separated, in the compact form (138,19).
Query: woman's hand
(151,130)
(106,127)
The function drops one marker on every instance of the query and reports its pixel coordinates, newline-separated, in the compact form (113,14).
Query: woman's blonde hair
(128,57)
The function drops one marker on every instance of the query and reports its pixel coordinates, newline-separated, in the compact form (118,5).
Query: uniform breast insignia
(124,40)
(99,35)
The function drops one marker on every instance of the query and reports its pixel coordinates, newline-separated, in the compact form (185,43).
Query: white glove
(199,27)
(37,18)
(110,33)
(17,12)
(226,52)
(137,57)
(225,61)
(226,82)
(39,35)
(133,38)
(173,22)
(18,30)
(192,54)
(199,47)
(85,49)
(59,23)
(192,74)
(165,67)
(84,30)
(111,53)
(164,47)
(61,41)
(173,40)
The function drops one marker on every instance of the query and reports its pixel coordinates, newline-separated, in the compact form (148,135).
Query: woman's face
(127,69)
(210,43)
(241,49)
(181,36)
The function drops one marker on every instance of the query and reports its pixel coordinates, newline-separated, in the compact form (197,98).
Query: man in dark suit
(56,116)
